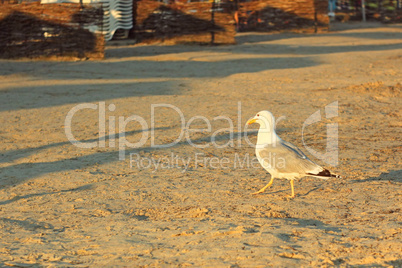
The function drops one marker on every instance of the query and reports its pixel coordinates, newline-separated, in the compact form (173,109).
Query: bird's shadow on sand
(391,176)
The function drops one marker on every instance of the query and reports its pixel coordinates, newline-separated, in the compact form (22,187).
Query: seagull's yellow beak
(252,120)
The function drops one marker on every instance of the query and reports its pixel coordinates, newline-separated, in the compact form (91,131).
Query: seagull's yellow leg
(293,190)
(266,186)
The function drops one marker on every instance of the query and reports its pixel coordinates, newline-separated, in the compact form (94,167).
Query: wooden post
(315,20)
(364,10)
(213,22)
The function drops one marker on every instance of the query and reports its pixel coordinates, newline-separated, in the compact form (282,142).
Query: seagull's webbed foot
(265,187)
(259,192)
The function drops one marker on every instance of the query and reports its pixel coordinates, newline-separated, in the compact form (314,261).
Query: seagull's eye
(258,114)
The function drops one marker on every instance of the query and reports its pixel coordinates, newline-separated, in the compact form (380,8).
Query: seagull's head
(264,118)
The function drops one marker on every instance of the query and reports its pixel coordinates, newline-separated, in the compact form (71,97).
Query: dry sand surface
(64,206)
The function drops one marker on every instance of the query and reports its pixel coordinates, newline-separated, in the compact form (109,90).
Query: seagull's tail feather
(324,174)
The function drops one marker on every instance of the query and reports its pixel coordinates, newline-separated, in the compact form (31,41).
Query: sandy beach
(191,203)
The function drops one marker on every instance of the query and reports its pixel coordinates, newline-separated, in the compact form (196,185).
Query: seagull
(280,158)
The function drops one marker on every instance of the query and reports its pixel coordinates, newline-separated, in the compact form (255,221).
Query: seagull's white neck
(266,136)
(266,133)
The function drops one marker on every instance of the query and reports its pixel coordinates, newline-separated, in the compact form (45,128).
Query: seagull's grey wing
(294,148)
(285,158)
